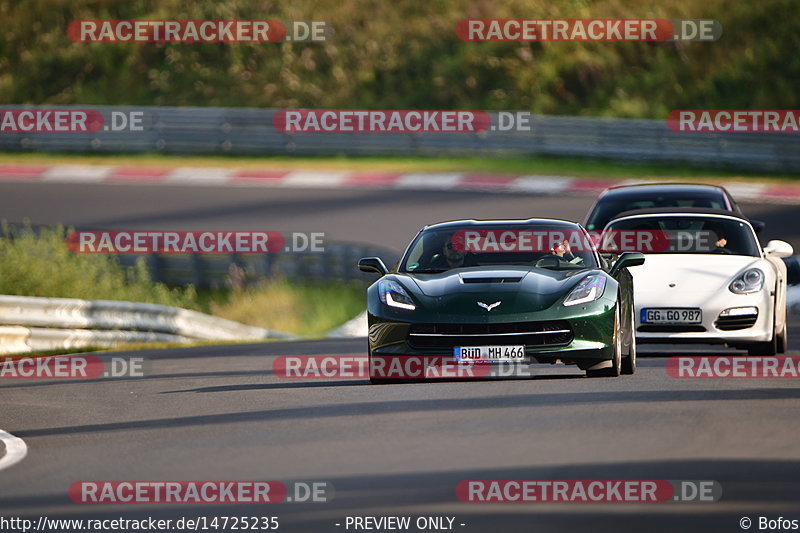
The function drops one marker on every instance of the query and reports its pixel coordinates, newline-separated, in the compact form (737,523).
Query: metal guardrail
(20,340)
(74,313)
(33,324)
(247,131)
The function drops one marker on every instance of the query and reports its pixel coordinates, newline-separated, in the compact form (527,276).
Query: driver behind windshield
(719,238)
(720,245)
(453,254)
(514,245)
(563,251)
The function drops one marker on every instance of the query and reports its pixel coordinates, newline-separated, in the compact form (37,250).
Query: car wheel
(629,363)
(783,339)
(765,348)
(616,360)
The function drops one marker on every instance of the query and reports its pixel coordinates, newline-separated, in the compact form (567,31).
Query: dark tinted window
(694,234)
(536,246)
(613,204)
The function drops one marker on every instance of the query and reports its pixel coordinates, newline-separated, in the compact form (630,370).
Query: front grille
(671,328)
(549,333)
(732,323)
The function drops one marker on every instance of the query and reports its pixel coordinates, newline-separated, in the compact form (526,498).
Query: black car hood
(519,289)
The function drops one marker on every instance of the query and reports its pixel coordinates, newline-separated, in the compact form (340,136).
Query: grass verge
(40,264)
(305,309)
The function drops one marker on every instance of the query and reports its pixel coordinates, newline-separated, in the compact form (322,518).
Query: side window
(415,254)
(734,205)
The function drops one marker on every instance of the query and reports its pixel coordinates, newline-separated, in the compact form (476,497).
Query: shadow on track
(428,405)
(288,384)
(744,487)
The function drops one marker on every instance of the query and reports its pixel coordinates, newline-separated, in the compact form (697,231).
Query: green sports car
(484,294)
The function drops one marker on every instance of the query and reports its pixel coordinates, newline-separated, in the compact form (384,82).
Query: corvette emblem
(488,307)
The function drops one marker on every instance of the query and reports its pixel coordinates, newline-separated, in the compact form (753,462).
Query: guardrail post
(198,277)
(154,267)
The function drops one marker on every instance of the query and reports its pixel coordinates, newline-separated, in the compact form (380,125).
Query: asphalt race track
(219,413)
(384,217)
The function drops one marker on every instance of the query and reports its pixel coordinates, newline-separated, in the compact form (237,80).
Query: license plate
(489,354)
(671,316)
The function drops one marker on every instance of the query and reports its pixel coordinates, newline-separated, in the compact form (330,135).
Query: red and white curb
(270,177)
(15,449)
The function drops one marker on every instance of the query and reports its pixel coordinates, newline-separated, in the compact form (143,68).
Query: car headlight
(588,290)
(751,280)
(394,295)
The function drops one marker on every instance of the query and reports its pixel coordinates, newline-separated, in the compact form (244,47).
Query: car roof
(492,223)
(662,188)
(681,211)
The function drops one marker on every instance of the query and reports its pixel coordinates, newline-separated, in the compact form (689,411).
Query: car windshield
(553,247)
(612,205)
(690,234)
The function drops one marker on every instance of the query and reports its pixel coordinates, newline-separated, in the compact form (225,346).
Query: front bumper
(713,329)
(590,339)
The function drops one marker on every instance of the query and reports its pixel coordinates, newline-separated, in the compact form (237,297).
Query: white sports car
(707,280)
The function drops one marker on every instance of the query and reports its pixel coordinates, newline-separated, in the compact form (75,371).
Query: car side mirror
(778,249)
(372,265)
(628,259)
(606,259)
(758,225)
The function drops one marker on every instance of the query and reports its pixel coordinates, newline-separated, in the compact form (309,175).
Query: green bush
(405,54)
(41,264)
(303,308)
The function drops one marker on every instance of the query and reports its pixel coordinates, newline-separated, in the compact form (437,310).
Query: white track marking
(77,173)
(541,184)
(429,180)
(198,176)
(746,191)
(313,178)
(16,449)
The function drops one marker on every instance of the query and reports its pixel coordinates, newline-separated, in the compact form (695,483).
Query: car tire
(382,381)
(616,360)
(629,363)
(765,348)
(783,339)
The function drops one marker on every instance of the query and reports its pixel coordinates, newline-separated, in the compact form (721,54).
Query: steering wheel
(547,261)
